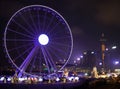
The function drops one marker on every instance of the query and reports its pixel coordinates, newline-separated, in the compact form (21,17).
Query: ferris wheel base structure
(37,39)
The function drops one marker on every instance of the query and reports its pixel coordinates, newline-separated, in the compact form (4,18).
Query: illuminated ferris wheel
(37,39)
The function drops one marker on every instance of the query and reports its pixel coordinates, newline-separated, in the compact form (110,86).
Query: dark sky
(88,19)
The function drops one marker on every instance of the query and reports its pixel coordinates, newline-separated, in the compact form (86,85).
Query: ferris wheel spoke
(58,50)
(51,60)
(54,53)
(45,57)
(52,29)
(62,38)
(19,47)
(58,56)
(48,60)
(29,26)
(60,44)
(32,65)
(51,20)
(33,22)
(22,34)
(22,27)
(38,17)
(40,64)
(60,31)
(24,40)
(44,21)
(20,55)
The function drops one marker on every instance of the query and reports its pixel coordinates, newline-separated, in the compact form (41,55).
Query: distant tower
(103,40)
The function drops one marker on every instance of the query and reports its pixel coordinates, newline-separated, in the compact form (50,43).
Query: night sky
(88,19)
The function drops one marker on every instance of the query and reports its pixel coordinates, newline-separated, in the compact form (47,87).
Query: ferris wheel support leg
(51,62)
(48,59)
(27,61)
(45,56)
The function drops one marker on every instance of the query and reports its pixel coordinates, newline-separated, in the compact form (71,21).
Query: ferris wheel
(38,40)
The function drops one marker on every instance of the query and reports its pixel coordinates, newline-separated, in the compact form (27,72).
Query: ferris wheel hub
(43,39)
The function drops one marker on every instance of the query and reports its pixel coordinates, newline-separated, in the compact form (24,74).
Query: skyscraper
(103,47)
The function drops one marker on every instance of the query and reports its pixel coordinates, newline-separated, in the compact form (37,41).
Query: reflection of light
(114,47)
(43,39)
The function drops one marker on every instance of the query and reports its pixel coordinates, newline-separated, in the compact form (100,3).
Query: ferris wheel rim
(5,44)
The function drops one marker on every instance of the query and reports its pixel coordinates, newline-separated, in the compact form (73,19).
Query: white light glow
(57,79)
(100,63)
(86,74)
(43,39)
(114,47)
(106,49)
(78,59)
(9,79)
(116,62)
(21,79)
(2,78)
(92,52)
(77,78)
(40,79)
(81,56)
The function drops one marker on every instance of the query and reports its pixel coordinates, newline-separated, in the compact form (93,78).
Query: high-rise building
(103,48)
